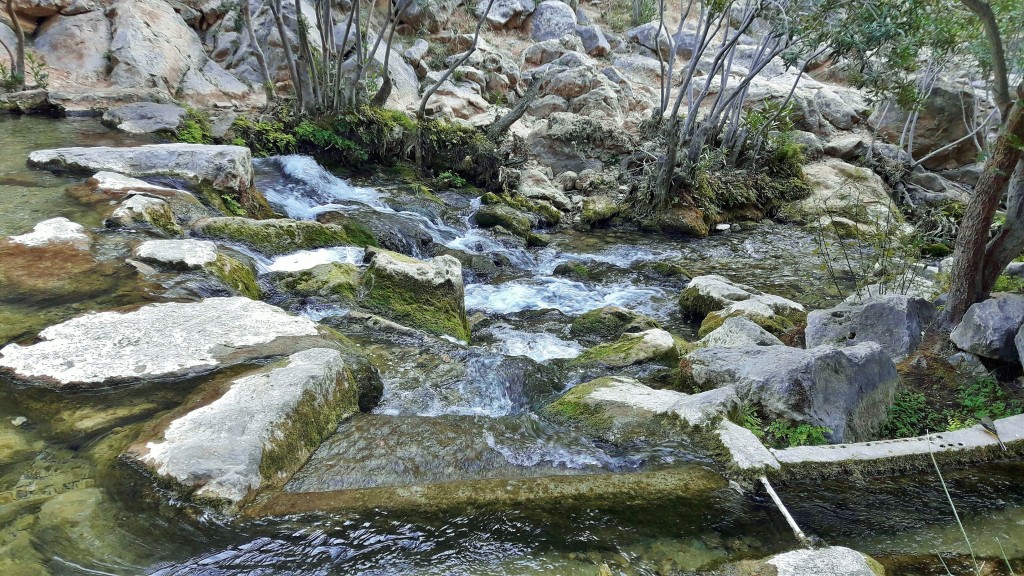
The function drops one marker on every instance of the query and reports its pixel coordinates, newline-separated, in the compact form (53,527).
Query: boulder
(151,46)
(283,235)
(738,331)
(147,211)
(895,321)
(111,187)
(540,53)
(416,52)
(828,561)
(535,185)
(714,299)
(622,411)
(200,255)
(145,118)
(652,345)
(332,281)
(593,39)
(551,20)
(55,231)
(810,144)
(516,222)
(940,122)
(428,295)
(172,340)
(841,190)
(649,36)
(76,49)
(609,323)
(989,328)
(846,390)
(570,142)
(231,439)
(35,101)
(834,109)
(506,13)
(223,168)
(429,15)
(547,105)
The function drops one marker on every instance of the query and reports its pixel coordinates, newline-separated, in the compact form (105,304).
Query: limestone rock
(650,345)
(333,281)
(713,299)
(895,321)
(145,117)
(988,328)
(180,254)
(739,331)
(230,439)
(507,13)
(76,49)
(551,20)
(594,41)
(140,209)
(649,36)
(226,168)
(608,323)
(429,15)
(621,410)
(428,295)
(841,190)
(834,109)
(168,340)
(846,390)
(283,235)
(55,231)
(830,561)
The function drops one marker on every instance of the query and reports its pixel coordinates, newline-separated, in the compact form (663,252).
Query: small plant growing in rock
(195,127)
(37,69)
(449,179)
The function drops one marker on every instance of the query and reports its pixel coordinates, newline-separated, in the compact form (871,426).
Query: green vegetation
(195,127)
(915,414)
(1007,283)
(263,137)
(283,236)
(781,433)
(449,179)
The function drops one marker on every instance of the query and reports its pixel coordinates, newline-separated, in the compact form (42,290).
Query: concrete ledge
(746,454)
(888,456)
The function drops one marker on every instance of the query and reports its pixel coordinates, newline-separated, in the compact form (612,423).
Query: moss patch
(694,305)
(333,280)
(777,324)
(610,322)
(238,276)
(282,236)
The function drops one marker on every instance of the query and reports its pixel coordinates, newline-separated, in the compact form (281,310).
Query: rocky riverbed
(373,382)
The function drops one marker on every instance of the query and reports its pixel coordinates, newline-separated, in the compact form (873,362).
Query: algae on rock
(283,235)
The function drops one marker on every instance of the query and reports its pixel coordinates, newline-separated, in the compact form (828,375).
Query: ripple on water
(567,296)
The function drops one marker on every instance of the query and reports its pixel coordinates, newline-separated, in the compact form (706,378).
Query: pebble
(19,421)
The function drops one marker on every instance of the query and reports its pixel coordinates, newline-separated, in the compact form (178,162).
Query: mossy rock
(598,209)
(333,280)
(778,324)
(283,235)
(695,305)
(428,295)
(493,215)
(654,345)
(238,276)
(609,323)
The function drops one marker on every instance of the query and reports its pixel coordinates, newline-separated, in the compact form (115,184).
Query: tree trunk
(293,70)
(976,264)
(497,130)
(261,60)
(1000,74)
(421,113)
(19,63)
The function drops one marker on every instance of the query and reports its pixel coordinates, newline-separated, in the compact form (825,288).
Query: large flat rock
(158,341)
(233,438)
(226,168)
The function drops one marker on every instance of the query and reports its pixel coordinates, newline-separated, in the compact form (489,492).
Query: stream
(451,412)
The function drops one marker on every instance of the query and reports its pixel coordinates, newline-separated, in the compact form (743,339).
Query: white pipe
(785,513)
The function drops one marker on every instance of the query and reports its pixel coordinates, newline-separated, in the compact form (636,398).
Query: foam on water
(306,259)
(567,296)
(539,347)
(311,188)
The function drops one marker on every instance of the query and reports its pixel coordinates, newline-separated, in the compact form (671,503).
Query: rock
(333,281)
(491,215)
(713,299)
(283,235)
(593,39)
(834,109)
(535,185)
(621,411)
(159,341)
(846,390)
(27,102)
(222,168)
(110,187)
(429,15)
(738,331)
(417,51)
(506,13)
(232,439)
(145,118)
(810,144)
(151,46)
(940,122)
(609,322)
(428,295)
(76,49)
(140,209)
(570,142)
(551,20)
(547,105)
(895,321)
(847,146)
(746,454)
(829,561)
(598,209)
(649,36)
(55,231)
(201,255)
(989,328)
(540,53)
(651,345)
(841,190)
(679,221)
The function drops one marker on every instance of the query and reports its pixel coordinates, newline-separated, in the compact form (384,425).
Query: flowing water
(450,413)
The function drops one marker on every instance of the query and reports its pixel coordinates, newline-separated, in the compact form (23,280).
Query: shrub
(263,137)
(195,127)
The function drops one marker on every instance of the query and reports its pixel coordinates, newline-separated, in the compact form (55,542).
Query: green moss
(398,297)
(694,305)
(573,409)
(332,280)
(576,270)
(609,322)
(238,276)
(629,349)
(491,215)
(666,269)
(265,137)
(310,423)
(1007,283)
(778,324)
(283,236)
(195,127)
(936,250)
